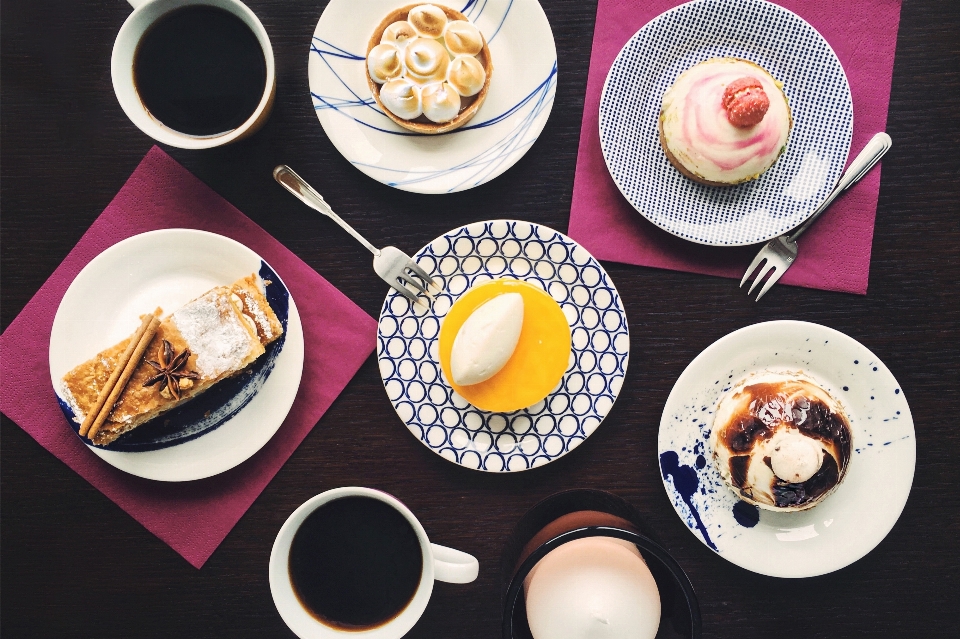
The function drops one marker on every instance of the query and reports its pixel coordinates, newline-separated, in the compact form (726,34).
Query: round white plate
(168,268)
(847,524)
(407,343)
(506,126)
(785,195)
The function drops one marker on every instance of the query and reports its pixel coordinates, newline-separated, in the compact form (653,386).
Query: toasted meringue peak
(384,63)
(426,61)
(428,20)
(398,33)
(463,38)
(466,75)
(402,98)
(441,102)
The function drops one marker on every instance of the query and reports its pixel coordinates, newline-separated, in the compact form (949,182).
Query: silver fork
(779,253)
(393,265)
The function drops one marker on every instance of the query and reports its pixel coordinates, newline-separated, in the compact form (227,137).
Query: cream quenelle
(487,339)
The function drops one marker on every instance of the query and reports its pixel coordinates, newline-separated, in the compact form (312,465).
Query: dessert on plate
(428,68)
(504,345)
(781,442)
(166,363)
(724,121)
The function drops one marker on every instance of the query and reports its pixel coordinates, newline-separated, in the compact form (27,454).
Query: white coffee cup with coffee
(330,509)
(146,15)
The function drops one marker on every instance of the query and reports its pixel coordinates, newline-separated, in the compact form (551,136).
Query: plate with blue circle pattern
(407,347)
(517,107)
(785,195)
(848,523)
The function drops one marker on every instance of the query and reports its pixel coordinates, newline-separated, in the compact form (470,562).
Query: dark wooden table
(67,148)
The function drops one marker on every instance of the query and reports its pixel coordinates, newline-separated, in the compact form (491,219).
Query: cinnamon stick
(121,375)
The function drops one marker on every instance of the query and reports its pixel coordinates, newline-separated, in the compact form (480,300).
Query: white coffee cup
(145,14)
(439,563)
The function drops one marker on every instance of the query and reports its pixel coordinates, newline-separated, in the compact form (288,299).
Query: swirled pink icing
(698,133)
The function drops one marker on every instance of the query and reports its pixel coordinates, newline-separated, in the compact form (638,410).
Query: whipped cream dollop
(795,458)
(436,54)
(384,62)
(463,38)
(402,97)
(441,103)
(426,61)
(398,33)
(466,75)
(697,130)
(428,20)
(487,339)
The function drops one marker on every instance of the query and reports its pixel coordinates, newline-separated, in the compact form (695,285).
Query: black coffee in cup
(200,70)
(355,563)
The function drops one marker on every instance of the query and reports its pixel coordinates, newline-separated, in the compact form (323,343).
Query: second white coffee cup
(439,563)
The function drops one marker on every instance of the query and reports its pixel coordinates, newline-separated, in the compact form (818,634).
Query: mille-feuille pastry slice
(211,338)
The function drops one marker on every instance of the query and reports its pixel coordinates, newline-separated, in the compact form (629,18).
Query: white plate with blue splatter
(407,348)
(517,107)
(786,46)
(850,522)
(167,268)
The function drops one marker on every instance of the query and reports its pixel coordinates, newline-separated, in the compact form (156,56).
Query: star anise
(168,369)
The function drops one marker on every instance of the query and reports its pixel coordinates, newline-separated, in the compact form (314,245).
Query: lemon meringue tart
(428,68)
(781,442)
(211,338)
(724,121)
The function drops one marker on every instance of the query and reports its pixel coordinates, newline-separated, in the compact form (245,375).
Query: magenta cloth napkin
(835,253)
(192,517)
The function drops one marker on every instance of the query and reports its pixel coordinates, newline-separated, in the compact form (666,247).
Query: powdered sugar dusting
(214,333)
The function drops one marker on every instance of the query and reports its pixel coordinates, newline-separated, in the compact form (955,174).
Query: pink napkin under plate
(835,253)
(192,517)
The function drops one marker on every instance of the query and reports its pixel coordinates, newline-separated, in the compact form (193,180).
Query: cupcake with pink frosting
(724,121)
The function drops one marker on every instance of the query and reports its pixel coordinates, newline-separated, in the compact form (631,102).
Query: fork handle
(871,154)
(289,180)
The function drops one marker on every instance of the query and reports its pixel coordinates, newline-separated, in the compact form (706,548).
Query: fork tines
(764,269)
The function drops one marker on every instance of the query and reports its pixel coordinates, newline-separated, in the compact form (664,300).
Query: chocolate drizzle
(772,407)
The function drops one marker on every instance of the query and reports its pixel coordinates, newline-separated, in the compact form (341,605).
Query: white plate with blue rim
(407,347)
(517,107)
(167,268)
(785,195)
(848,523)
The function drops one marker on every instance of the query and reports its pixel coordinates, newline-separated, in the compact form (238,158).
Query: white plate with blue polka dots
(407,347)
(847,524)
(785,195)
(518,104)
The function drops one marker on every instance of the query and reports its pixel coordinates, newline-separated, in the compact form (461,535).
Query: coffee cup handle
(136,4)
(454,566)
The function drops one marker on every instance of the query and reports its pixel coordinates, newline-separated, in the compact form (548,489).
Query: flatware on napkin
(778,254)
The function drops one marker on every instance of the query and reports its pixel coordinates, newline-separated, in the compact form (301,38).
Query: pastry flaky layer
(225,330)
(696,133)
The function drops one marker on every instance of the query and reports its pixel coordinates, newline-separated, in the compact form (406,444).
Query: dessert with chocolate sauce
(781,441)
(724,121)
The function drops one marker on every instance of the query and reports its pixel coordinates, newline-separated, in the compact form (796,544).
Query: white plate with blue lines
(227,424)
(517,107)
(407,347)
(847,524)
(785,195)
